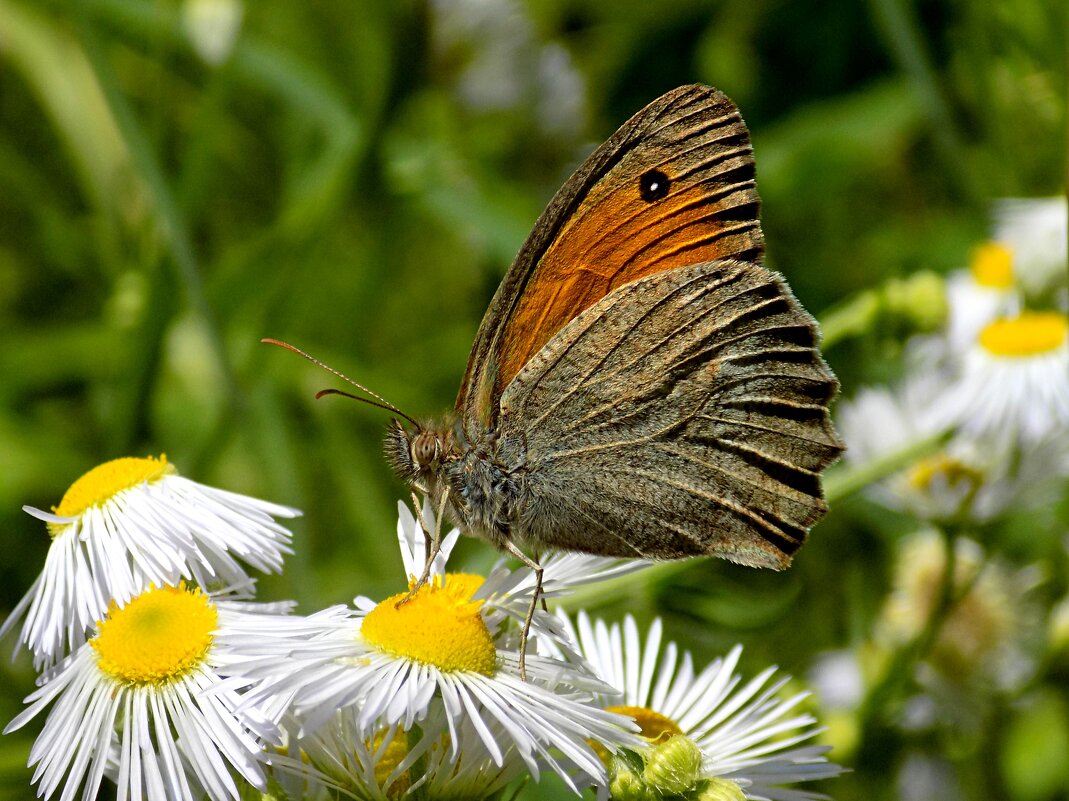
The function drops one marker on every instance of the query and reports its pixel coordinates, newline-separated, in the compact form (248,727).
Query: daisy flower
(144,701)
(442,650)
(383,767)
(987,637)
(704,730)
(130,523)
(1014,380)
(1034,230)
(978,295)
(974,476)
(506,593)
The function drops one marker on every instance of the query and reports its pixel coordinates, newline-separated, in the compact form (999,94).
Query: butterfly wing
(685,413)
(673,186)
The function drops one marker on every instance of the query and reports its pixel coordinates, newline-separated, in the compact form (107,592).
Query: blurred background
(180,179)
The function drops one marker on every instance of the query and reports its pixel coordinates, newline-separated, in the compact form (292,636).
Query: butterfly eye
(425,449)
(653,185)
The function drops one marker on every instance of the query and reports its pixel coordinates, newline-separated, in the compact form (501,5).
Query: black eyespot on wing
(653,185)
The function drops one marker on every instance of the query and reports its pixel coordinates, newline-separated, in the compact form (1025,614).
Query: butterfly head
(417,454)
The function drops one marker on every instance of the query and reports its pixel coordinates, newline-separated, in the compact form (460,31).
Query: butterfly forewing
(686,414)
(674,186)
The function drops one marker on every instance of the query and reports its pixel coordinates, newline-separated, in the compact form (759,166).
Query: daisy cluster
(160,673)
(992,384)
(984,401)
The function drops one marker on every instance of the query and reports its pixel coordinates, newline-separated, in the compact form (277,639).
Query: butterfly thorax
(479,478)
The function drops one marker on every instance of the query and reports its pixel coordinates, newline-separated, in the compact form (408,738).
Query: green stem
(843,481)
(849,319)
(905,659)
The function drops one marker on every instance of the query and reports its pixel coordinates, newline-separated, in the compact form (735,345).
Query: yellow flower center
(158,637)
(654,726)
(954,472)
(992,266)
(440,625)
(1029,334)
(104,481)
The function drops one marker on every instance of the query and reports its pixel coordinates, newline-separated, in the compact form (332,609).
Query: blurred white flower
(213,27)
(492,48)
(1035,231)
(973,476)
(978,295)
(837,680)
(922,778)
(1014,380)
(981,639)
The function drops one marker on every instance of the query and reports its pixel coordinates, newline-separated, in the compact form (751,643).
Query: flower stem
(844,480)
(872,714)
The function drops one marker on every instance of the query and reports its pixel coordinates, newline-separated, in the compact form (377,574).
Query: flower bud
(920,300)
(717,789)
(673,767)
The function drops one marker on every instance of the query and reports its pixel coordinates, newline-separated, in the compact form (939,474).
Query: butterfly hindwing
(684,414)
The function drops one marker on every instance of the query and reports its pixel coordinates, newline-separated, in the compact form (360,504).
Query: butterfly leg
(537,568)
(536,557)
(418,506)
(433,541)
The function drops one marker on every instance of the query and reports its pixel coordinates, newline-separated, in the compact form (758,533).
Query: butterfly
(640,386)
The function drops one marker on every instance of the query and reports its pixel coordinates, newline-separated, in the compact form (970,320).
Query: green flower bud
(674,767)
(919,299)
(625,784)
(717,789)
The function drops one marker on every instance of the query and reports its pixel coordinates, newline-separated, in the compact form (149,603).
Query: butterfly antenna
(382,403)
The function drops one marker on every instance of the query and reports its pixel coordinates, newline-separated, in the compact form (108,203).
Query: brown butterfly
(640,385)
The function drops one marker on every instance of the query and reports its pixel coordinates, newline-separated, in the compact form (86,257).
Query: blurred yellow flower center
(654,726)
(158,637)
(947,467)
(1029,334)
(104,481)
(395,751)
(440,625)
(992,266)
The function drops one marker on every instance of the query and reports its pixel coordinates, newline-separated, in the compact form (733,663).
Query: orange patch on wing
(614,238)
